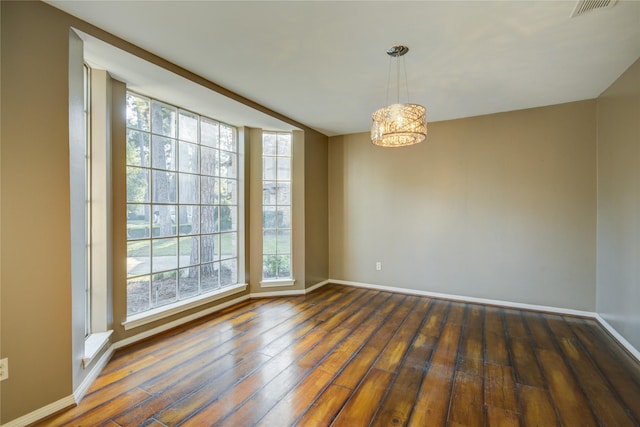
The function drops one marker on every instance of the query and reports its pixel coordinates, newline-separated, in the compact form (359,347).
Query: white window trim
(165,311)
(277,283)
(93,345)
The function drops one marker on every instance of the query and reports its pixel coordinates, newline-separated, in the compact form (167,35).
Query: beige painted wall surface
(618,280)
(316,208)
(500,207)
(36,283)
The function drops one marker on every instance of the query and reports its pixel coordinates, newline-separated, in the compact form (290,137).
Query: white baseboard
(318,285)
(622,340)
(284,293)
(45,411)
(79,392)
(500,303)
(289,292)
(186,319)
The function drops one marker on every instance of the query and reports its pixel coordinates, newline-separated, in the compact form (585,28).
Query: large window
(182,204)
(276,206)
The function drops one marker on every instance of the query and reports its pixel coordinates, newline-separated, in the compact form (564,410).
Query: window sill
(92,346)
(169,310)
(277,283)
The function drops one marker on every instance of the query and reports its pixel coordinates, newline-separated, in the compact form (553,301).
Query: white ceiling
(323,64)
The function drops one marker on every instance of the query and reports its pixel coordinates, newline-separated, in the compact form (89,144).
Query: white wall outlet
(378,266)
(4,369)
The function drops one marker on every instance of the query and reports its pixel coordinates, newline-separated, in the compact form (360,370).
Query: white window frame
(157,312)
(278,280)
(98,214)
(87,137)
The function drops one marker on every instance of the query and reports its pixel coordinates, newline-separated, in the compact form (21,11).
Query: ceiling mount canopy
(398,125)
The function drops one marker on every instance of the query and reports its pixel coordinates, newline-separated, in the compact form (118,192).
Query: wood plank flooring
(345,356)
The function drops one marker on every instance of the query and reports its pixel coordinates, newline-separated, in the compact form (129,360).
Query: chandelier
(398,125)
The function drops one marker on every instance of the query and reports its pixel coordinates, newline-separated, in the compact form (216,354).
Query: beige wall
(36,273)
(618,283)
(316,208)
(499,207)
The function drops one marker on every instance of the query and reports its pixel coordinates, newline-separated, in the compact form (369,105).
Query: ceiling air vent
(584,6)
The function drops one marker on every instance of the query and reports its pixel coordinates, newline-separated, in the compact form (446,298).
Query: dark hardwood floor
(345,356)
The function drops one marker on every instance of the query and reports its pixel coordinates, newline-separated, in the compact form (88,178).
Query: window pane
(269,168)
(138,294)
(269,266)
(209,190)
(269,241)
(227,164)
(165,254)
(284,169)
(189,188)
(164,153)
(189,157)
(284,217)
(164,187)
(269,144)
(177,180)
(228,218)
(227,141)
(284,242)
(137,185)
(164,220)
(210,248)
(228,192)
(269,191)
(163,119)
(164,288)
(284,193)
(188,282)
(137,112)
(228,272)
(269,217)
(138,221)
(228,245)
(284,144)
(209,219)
(189,219)
(188,126)
(138,258)
(209,132)
(189,251)
(209,161)
(137,148)
(284,266)
(210,276)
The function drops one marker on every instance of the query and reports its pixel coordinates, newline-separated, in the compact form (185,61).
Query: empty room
(320,213)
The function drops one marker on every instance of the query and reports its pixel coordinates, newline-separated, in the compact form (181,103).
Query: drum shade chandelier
(398,125)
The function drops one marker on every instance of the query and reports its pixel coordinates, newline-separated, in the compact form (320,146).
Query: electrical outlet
(378,266)
(4,369)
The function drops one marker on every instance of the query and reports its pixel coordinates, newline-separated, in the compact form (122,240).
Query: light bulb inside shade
(398,125)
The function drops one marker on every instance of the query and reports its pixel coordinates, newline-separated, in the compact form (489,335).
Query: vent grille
(584,6)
